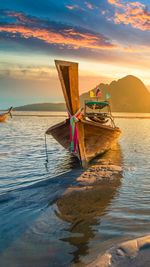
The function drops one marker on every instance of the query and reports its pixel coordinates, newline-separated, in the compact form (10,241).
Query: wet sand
(91,193)
(133,253)
(84,203)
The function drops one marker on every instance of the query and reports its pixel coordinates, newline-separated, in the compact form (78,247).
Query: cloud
(53,33)
(71,7)
(74,7)
(116,3)
(26,72)
(135,14)
(89,5)
(19,16)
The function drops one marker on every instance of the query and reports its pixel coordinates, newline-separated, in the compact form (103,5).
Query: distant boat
(4,116)
(86,133)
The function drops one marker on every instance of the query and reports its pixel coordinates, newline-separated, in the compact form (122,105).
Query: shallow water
(32,232)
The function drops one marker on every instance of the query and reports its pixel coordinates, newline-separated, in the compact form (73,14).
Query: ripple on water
(28,188)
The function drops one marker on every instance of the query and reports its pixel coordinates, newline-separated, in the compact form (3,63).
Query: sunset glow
(109,39)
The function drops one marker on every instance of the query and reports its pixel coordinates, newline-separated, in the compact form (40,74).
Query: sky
(108,38)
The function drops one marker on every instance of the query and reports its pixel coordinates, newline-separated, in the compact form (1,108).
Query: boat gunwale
(106,127)
(53,127)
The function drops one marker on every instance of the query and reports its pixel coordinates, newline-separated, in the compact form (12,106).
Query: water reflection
(31,233)
(65,162)
(83,209)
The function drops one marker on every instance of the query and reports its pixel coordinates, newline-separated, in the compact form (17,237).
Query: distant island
(42,107)
(128,94)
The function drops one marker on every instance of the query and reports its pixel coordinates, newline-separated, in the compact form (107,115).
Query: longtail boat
(4,116)
(86,134)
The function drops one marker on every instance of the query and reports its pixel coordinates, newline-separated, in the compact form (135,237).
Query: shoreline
(65,116)
(39,115)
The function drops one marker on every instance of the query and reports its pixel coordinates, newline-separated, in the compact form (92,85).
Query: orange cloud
(68,37)
(116,3)
(133,13)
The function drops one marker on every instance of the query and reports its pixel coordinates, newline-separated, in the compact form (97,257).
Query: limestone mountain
(128,94)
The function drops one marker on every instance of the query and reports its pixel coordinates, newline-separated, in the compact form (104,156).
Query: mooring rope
(46,151)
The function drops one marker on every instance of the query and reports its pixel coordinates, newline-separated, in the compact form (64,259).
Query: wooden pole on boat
(68,75)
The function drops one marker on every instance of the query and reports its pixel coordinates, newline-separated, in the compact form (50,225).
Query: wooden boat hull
(4,117)
(94,138)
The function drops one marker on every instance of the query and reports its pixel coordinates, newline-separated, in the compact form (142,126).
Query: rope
(46,152)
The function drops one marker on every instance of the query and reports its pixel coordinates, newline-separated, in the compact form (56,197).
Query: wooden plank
(74,88)
(68,75)
(98,139)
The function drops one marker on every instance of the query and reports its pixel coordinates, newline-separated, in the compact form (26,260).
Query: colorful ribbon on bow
(73,130)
